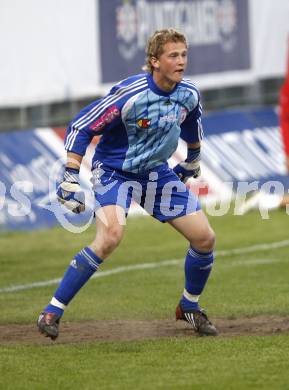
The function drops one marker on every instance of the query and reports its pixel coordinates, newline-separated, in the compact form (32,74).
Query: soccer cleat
(198,319)
(48,324)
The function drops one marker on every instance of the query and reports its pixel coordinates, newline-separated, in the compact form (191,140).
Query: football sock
(81,268)
(198,266)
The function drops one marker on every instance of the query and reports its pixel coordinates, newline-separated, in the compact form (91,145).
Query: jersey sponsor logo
(144,123)
(110,114)
(168,118)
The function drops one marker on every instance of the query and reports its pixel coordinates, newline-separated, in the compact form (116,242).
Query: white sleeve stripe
(108,102)
(101,109)
(194,91)
(108,97)
(69,137)
(69,145)
(72,136)
(191,88)
(73,139)
(200,129)
(90,113)
(187,82)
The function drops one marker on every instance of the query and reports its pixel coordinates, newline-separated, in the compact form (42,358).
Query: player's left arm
(191,166)
(192,133)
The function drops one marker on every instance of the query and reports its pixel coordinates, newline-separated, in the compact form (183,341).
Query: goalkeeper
(140,122)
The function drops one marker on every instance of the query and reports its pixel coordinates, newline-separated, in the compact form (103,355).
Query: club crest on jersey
(183,114)
(144,123)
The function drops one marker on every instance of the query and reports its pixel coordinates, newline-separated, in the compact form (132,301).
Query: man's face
(172,62)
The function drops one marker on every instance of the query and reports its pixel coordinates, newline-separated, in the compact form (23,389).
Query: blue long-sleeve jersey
(139,123)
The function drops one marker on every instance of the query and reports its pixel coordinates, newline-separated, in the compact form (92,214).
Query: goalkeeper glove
(69,192)
(190,167)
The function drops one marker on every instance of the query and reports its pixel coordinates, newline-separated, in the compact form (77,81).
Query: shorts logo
(144,123)
(73,263)
(109,115)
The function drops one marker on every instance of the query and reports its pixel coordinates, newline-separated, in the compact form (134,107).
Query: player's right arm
(77,139)
(69,192)
(91,121)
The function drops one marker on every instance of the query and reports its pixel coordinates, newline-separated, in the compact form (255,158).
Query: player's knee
(112,238)
(206,241)
(107,241)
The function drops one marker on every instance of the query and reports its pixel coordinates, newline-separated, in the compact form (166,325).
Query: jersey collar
(156,89)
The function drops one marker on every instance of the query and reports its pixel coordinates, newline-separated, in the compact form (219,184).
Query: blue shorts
(160,192)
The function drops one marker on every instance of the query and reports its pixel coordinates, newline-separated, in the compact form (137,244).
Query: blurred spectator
(263,200)
(284,113)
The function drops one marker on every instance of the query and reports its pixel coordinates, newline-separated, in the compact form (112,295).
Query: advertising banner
(217,33)
(243,146)
(31,166)
(76,49)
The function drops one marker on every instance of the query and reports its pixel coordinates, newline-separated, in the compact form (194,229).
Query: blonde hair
(156,43)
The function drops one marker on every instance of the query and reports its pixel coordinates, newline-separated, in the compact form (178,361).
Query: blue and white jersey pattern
(139,124)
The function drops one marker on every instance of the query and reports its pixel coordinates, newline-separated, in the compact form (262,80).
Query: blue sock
(198,266)
(81,268)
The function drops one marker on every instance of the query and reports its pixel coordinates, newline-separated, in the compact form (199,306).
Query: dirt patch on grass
(133,330)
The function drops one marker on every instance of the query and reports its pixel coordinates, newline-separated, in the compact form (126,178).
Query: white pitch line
(118,270)
(252,262)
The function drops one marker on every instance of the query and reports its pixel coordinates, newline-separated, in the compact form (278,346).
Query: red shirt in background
(284,112)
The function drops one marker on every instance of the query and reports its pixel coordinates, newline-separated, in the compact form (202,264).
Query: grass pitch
(241,285)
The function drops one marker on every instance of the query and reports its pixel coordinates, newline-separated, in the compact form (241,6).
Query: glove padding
(70,194)
(185,170)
